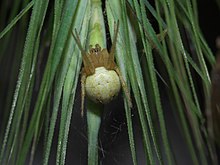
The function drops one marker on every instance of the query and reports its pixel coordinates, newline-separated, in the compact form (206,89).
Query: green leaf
(16,19)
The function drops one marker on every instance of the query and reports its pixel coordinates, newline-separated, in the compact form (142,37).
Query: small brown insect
(101,78)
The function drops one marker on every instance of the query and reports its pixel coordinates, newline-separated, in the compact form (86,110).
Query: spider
(101,79)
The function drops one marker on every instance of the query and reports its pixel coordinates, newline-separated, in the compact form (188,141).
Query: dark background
(209,15)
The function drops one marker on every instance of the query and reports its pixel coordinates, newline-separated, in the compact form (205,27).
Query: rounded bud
(103,85)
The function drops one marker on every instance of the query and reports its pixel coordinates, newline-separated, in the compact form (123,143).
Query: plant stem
(94,110)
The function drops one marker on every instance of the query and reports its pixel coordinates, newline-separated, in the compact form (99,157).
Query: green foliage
(35,95)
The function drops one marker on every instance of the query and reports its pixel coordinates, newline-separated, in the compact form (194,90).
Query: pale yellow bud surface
(103,85)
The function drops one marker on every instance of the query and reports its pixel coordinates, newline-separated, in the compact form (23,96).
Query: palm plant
(41,73)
